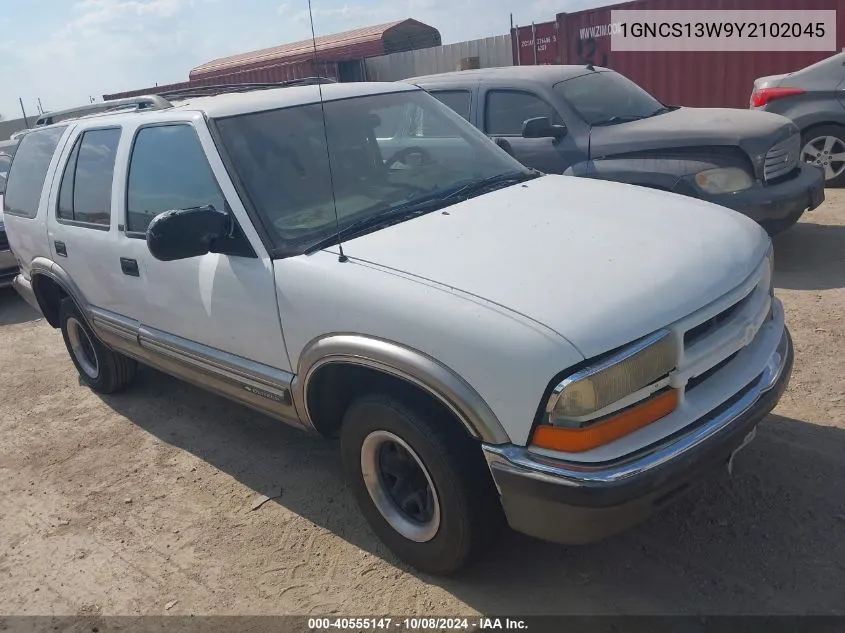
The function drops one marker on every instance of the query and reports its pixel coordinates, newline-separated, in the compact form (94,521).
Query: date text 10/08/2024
(417,624)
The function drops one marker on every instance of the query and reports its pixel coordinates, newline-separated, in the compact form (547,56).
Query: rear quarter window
(28,171)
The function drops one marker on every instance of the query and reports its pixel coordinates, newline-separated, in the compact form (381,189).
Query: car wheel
(824,147)
(420,481)
(99,367)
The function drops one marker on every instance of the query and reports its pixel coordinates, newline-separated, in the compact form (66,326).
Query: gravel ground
(148,502)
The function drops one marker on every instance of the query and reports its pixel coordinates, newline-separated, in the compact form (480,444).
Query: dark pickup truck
(593,122)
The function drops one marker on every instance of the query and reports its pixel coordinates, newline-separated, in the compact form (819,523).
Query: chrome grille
(782,158)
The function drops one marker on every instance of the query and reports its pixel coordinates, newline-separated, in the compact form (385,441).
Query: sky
(66,51)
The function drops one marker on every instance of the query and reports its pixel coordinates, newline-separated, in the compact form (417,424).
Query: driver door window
(167,170)
(507,110)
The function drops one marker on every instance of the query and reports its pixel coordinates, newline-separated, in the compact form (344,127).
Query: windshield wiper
(378,220)
(499,181)
(421,205)
(619,119)
(662,110)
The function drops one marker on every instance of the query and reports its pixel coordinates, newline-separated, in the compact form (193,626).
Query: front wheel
(824,147)
(420,482)
(100,368)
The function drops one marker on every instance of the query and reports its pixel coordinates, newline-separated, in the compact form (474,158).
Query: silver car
(814,98)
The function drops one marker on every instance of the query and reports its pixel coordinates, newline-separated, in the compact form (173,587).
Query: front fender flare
(405,363)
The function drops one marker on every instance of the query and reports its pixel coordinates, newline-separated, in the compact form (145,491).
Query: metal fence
(491,52)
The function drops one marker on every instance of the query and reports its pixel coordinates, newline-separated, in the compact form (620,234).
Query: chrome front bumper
(577,503)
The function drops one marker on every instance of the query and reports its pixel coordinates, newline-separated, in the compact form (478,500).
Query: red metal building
(339,56)
(704,79)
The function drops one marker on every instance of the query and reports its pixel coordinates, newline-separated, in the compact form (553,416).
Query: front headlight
(612,398)
(723,180)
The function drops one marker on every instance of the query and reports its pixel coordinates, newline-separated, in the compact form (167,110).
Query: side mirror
(541,127)
(184,233)
(2,184)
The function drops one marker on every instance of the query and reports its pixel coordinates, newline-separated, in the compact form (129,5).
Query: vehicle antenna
(342,258)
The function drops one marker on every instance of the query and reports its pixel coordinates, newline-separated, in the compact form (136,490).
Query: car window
(306,189)
(29,170)
(168,170)
(458,100)
(507,110)
(65,210)
(425,124)
(390,121)
(606,96)
(85,190)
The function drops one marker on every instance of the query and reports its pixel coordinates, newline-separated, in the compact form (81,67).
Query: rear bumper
(571,503)
(782,202)
(8,268)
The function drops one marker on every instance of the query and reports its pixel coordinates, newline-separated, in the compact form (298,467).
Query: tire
(815,139)
(463,500)
(100,368)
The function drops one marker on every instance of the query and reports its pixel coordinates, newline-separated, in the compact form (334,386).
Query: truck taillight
(763,96)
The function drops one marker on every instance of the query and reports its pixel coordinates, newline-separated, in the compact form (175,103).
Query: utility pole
(25,120)
(40,107)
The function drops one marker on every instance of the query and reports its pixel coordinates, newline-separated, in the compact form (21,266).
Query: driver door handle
(129,267)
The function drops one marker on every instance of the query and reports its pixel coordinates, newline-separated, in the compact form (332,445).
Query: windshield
(607,97)
(389,152)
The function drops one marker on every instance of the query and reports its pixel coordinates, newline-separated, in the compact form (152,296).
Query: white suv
(487,342)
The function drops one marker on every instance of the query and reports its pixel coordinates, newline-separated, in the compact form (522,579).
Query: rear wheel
(824,147)
(420,481)
(99,367)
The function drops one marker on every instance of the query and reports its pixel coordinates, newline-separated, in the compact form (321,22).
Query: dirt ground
(145,502)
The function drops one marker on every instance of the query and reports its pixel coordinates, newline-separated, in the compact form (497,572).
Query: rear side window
(458,100)
(29,170)
(85,191)
(507,110)
(168,170)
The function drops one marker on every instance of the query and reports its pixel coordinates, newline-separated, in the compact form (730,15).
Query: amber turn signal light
(568,440)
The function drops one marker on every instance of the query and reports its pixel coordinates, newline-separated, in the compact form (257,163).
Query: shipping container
(270,74)
(340,56)
(535,45)
(703,79)
(349,46)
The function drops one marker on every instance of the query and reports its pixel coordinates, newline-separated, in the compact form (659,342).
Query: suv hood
(600,263)
(753,131)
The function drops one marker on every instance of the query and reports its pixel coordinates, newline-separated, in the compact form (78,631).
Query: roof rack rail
(143,103)
(216,89)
